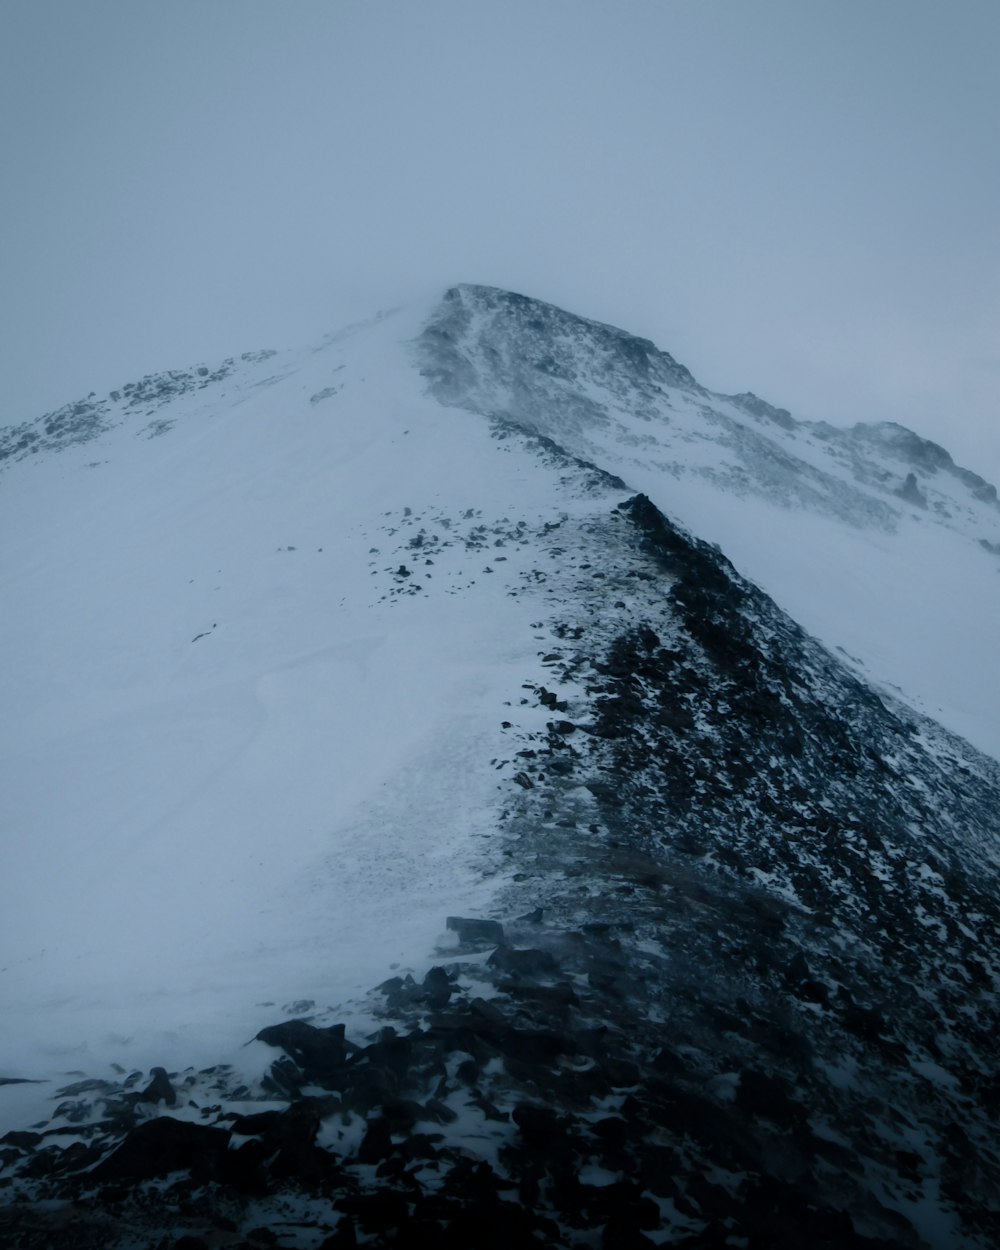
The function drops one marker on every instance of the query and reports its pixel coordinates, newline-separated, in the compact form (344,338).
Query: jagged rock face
(739,986)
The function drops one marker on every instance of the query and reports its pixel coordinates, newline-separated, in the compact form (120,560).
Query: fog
(800,200)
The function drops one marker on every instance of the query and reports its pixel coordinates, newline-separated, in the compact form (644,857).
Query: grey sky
(802,199)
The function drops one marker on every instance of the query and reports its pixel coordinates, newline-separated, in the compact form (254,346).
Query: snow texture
(308,652)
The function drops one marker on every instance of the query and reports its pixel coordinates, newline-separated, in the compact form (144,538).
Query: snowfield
(307,652)
(241,759)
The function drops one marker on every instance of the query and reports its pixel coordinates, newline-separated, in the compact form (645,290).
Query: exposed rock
(159,1089)
(166,1145)
(476,932)
(320,1053)
(749,998)
(911,492)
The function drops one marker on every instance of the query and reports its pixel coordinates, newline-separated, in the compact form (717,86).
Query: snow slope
(238,753)
(308,651)
(903,584)
(221,706)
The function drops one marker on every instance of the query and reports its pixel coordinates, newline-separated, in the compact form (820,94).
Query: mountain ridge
(84,419)
(702,461)
(718,952)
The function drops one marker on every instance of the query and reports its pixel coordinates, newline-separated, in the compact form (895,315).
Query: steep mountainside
(870,536)
(690,920)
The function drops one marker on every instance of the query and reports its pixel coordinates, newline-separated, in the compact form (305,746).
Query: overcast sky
(799,199)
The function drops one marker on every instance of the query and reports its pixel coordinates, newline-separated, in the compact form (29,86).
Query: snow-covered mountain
(309,651)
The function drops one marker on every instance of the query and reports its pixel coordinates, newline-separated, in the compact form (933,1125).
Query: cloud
(802,201)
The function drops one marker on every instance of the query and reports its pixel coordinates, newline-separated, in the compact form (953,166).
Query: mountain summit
(469,784)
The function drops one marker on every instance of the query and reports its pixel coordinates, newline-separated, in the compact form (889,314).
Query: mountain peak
(565,775)
(556,335)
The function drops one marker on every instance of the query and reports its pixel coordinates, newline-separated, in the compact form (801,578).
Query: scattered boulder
(159,1088)
(524,963)
(476,932)
(321,1054)
(164,1145)
(437,988)
(911,492)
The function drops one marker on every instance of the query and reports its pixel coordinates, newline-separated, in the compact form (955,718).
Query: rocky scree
(741,989)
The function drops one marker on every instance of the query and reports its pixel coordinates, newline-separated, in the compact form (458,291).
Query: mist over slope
(870,536)
(310,651)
